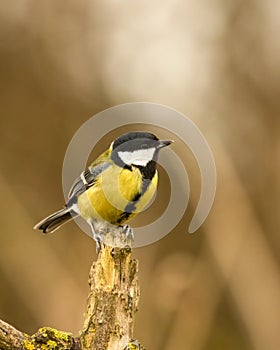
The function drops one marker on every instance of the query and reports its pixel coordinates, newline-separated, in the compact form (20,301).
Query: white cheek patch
(139,157)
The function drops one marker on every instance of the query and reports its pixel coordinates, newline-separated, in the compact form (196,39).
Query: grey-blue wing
(84,181)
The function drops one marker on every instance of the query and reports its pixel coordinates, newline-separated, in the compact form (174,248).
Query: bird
(118,185)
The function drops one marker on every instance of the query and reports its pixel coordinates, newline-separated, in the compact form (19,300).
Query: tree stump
(110,311)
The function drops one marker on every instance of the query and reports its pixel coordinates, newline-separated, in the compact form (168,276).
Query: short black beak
(164,143)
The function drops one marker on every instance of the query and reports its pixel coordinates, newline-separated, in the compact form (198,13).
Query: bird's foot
(128,231)
(98,243)
(96,235)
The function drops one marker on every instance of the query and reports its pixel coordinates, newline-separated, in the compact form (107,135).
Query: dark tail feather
(54,221)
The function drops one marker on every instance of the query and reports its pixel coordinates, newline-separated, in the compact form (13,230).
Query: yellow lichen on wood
(49,338)
(28,344)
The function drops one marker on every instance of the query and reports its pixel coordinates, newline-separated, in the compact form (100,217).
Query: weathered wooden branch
(110,311)
(10,337)
(112,302)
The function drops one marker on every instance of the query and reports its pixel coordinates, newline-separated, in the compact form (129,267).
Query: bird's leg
(128,232)
(96,236)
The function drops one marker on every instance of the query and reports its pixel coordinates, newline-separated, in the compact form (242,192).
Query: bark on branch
(112,302)
(110,311)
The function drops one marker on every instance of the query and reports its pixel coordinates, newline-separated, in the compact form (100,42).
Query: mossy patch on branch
(49,339)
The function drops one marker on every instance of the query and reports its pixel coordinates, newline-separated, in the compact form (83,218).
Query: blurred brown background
(217,62)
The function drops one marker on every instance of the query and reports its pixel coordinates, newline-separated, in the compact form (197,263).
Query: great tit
(115,187)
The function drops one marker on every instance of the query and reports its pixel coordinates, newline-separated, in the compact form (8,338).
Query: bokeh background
(215,61)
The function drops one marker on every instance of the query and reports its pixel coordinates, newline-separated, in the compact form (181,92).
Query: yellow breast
(115,196)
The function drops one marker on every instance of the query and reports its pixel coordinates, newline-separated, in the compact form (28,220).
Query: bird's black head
(137,148)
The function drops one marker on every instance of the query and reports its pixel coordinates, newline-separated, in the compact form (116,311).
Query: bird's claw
(128,231)
(98,243)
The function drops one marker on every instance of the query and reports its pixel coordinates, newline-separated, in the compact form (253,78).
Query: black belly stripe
(123,217)
(130,208)
(147,173)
